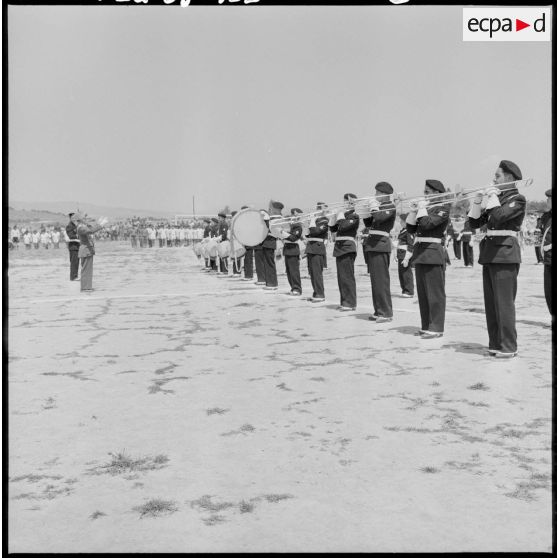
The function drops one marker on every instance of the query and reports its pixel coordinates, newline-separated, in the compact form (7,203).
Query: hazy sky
(147,106)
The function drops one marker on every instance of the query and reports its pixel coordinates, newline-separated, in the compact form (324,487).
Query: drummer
(236,261)
(222,235)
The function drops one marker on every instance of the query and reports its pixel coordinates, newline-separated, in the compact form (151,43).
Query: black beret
(277,205)
(511,168)
(206,220)
(244,207)
(70,214)
(214,219)
(548,193)
(233,213)
(296,210)
(349,196)
(384,187)
(436,184)
(224,215)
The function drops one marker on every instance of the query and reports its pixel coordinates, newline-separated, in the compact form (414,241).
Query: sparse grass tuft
(122,463)
(274,498)
(216,411)
(156,507)
(429,469)
(96,515)
(245,507)
(479,386)
(205,503)
(214,519)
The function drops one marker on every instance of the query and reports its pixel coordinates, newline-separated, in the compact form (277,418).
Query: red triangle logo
(519,25)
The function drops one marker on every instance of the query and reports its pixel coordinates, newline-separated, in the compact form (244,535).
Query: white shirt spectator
(36,238)
(27,238)
(56,237)
(162,233)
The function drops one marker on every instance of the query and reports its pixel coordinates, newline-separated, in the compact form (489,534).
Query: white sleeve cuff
(411,219)
(422,212)
(493,202)
(475,211)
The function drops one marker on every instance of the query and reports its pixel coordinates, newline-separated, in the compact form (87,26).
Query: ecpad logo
(507,24)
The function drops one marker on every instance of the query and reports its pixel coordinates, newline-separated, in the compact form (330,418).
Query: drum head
(248,227)
(212,248)
(224,249)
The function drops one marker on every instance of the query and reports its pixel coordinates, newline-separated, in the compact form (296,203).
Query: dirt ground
(174,411)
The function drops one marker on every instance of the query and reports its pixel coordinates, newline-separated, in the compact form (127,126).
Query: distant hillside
(92,210)
(23,216)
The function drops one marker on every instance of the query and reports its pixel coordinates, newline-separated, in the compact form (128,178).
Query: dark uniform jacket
(222,229)
(71,231)
(432,225)
(382,220)
(346,227)
(319,231)
(451,232)
(290,243)
(405,242)
(270,241)
(509,216)
(546,242)
(207,231)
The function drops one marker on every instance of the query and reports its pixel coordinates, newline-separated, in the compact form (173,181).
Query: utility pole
(194,206)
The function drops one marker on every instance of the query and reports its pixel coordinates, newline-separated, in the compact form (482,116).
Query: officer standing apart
(73,246)
(429,257)
(316,253)
(86,252)
(269,245)
(405,242)
(291,253)
(377,251)
(345,226)
(500,256)
(546,247)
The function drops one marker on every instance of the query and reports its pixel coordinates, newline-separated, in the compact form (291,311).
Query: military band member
(73,246)
(259,258)
(546,247)
(500,256)
(467,243)
(345,226)
(537,241)
(316,253)
(291,253)
(321,206)
(269,245)
(453,236)
(248,259)
(429,256)
(377,249)
(222,235)
(405,242)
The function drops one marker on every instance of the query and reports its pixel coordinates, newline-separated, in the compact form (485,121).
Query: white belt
(420,239)
(315,239)
(338,238)
(547,247)
(380,233)
(73,240)
(501,233)
(402,247)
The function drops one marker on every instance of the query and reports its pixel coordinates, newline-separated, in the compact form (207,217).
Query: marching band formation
(498,211)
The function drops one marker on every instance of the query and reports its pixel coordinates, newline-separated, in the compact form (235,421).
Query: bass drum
(248,227)
(212,248)
(197,249)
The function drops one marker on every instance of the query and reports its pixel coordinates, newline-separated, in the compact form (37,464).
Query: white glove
(312,223)
(374,205)
(340,215)
(102,221)
(413,207)
(421,204)
(492,198)
(478,197)
(492,191)
(332,220)
(285,234)
(405,262)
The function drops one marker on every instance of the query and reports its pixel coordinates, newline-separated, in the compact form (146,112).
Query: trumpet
(443,198)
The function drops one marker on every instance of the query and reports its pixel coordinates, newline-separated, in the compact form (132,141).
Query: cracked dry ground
(174,411)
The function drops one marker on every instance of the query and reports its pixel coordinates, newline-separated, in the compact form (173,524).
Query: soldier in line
(377,249)
(429,256)
(73,246)
(405,242)
(291,253)
(466,237)
(345,226)
(546,247)
(500,256)
(269,246)
(248,259)
(316,253)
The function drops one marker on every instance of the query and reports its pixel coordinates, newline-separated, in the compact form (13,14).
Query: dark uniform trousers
(260,268)
(548,287)
(292,265)
(213,263)
(406,277)
(74,262)
(346,279)
(378,266)
(457,248)
(249,263)
(269,268)
(224,265)
(468,254)
(431,294)
(538,253)
(315,270)
(500,289)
